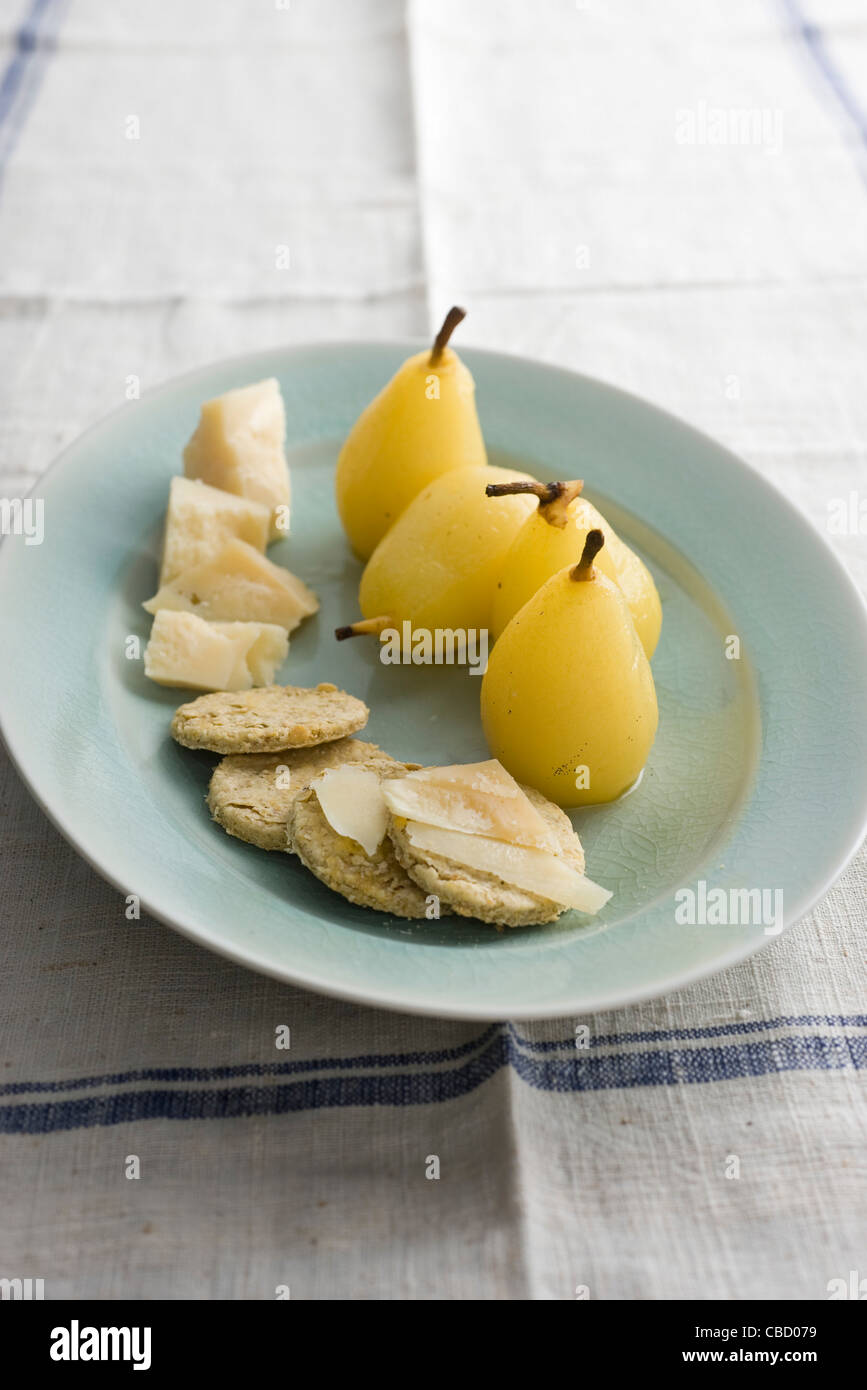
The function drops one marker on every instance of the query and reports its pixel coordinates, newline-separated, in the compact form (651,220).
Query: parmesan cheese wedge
(489,777)
(533,870)
(352,803)
(186,651)
(239,446)
(266,648)
(238,585)
(201,519)
(477,798)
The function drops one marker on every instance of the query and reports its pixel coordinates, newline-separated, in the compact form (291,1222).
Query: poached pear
(437,565)
(422,424)
(554,537)
(568,700)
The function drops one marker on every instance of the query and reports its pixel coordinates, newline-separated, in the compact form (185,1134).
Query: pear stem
(454,316)
(554,498)
(363,628)
(592,546)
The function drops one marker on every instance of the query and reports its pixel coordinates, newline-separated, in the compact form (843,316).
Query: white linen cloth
(583,176)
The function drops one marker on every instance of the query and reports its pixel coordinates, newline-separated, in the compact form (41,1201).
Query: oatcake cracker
(268,719)
(473,893)
(378,881)
(251,794)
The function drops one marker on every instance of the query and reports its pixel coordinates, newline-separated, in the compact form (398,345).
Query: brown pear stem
(541,490)
(364,627)
(554,498)
(454,316)
(592,546)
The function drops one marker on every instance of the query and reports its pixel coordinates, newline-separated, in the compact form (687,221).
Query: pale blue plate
(757,781)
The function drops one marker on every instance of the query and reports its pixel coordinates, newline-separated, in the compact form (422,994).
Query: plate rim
(382,997)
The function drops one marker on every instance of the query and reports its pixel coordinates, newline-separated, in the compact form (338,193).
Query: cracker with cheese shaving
(471,891)
(251,794)
(372,879)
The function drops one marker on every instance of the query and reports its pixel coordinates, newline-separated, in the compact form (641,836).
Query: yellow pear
(553,537)
(436,566)
(568,701)
(422,423)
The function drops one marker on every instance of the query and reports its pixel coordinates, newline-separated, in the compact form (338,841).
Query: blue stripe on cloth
(370,1060)
(392,1089)
(32,44)
(619,1071)
(692,1066)
(720,1030)
(811,36)
(364,1060)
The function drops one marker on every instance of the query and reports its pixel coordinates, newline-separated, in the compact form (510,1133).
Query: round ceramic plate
(754,798)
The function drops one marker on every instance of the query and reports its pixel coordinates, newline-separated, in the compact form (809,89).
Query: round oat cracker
(251,794)
(268,719)
(378,882)
(472,893)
